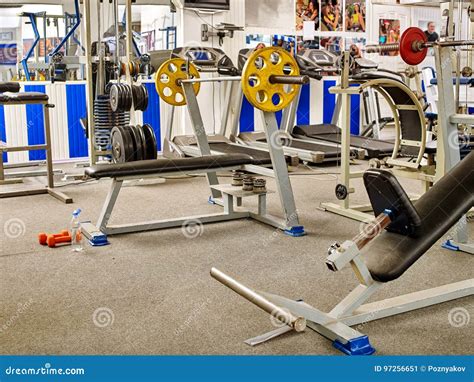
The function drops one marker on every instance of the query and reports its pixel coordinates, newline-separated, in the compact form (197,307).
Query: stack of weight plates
(105,120)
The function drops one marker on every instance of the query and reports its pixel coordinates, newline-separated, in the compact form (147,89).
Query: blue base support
(449,245)
(356,346)
(211,200)
(296,231)
(99,240)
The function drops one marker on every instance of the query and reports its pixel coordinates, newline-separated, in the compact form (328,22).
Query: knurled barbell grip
(289,80)
(394,47)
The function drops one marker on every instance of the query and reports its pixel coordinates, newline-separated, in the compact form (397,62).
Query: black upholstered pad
(386,193)
(389,255)
(24,97)
(164,166)
(13,87)
(258,157)
(375,148)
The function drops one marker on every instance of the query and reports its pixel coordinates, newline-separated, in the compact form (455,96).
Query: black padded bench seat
(23,97)
(12,87)
(389,255)
(375,148)
(164,166)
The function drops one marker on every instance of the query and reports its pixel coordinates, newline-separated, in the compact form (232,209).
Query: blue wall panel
(35,123)
(3,132)
(329,101)
(355,115)
(302,114)
(279,115)
(152,114)
(76,109)
(329,104)
(247,118)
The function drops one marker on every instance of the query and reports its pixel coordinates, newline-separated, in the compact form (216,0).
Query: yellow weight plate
(167,81)
(256,85)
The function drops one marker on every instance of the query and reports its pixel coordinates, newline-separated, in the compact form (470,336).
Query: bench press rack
(210,164)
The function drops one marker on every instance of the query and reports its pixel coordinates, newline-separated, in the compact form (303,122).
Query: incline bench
(9,96)
(389,246)
(172,167)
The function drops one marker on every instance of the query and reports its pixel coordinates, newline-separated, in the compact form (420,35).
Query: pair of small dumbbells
(52,240)
(248,182)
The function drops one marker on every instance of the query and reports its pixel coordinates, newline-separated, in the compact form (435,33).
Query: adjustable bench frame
(49,189)
(229,212)
(336,325)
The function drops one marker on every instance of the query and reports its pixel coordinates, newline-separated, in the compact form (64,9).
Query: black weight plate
(114,97)
(138,143)
(130,97)
(150,142)
(143,139)
(127,97)
(144,97)
(341,192)
(122,145)
(135,96)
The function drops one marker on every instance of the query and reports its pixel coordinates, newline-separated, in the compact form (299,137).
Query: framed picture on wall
(389,33)
(355,16)
(307,10)
(331,15)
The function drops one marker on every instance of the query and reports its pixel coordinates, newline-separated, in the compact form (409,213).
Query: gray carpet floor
(151,293)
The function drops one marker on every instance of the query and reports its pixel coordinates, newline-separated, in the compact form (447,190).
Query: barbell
(413,46)
(270,79)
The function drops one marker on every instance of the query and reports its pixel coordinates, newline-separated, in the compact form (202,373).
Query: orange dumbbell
(53,239)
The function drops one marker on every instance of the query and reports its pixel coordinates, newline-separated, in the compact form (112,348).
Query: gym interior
(205,177)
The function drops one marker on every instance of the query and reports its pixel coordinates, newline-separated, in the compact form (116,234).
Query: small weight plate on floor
(341,192)
(137,138)
(150,142)
(122,145)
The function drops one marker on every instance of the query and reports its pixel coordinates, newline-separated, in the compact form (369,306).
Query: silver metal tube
(212,79)
(283,315)
(290,80)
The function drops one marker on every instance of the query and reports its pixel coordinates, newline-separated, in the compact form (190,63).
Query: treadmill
(312,62)
(374,148)
(213,60)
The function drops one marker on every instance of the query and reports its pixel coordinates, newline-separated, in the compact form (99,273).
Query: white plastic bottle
(76,234)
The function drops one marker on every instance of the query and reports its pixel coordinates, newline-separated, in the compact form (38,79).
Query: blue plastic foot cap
(295,231)
(211,200)
(449,245)
(355,346)
(99,241)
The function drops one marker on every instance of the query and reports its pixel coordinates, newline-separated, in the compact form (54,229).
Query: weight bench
(9,96)
(171,167)
(389,246)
